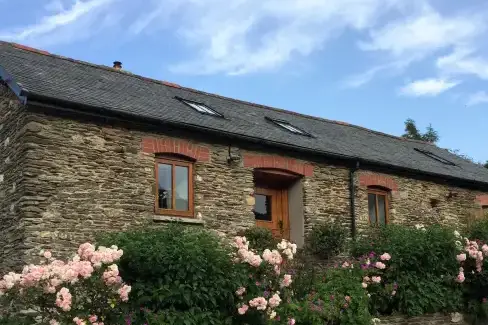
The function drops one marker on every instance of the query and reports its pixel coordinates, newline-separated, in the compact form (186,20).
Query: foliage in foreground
(182,275)
(85,289)
(326,240)
(423,268)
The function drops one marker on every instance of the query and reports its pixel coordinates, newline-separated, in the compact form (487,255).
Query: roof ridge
(174,85)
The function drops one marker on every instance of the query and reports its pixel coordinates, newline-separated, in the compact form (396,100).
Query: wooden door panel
(271,211)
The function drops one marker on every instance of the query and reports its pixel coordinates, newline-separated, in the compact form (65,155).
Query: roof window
(201,108)
(287,126)
(435,157)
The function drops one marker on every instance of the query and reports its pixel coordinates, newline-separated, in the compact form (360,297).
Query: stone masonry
(63,180)
(12,159)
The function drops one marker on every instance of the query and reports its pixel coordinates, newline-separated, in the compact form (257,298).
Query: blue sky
(372,63)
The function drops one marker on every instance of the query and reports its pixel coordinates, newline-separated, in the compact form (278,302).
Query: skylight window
(435,157)
(287,126)
(201,108)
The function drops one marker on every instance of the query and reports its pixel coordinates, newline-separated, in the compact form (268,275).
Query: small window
(287,126)
(377,207)
(174,187)
(435,157)
(262,207)
(201,108)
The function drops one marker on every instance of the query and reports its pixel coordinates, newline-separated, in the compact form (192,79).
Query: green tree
(411,132)
(486,164)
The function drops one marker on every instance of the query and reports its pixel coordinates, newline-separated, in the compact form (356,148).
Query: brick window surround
(482,199)
(278,162)
(176,146)
(370,179)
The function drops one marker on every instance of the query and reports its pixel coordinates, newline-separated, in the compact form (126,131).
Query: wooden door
(271,211)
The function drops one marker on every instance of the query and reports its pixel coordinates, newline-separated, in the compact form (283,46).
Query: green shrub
(181,275)
(337,298)
(305,274)
(422,264)
(478,230)
(326,240)
(260,238)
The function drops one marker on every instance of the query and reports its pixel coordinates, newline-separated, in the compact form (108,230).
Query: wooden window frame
(384,193)
(172,212)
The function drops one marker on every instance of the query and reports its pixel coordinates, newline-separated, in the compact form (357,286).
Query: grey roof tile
(84,83)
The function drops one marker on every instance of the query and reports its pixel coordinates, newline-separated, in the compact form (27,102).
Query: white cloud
(50,28)
(464,61)
(480,97)
(245,36)
(422,34)
(427,87)
(425,33)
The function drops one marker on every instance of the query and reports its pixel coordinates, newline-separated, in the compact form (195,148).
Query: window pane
(372,208)
(181,190)
(262,207)
(164,186)
(197,107)
(381,210)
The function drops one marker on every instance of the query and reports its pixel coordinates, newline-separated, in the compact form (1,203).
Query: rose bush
(472,277)
(422,267)
(267,288)
(87,289)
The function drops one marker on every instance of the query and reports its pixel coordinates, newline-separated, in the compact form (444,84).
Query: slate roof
(51,76)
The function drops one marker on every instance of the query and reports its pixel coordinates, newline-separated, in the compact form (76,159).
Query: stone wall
(90,178)
(12,121)
(433,319)
(80,178)
(415,201)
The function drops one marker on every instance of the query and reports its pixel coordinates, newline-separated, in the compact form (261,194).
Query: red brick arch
(370,179)
(176,146)
(278,162)
(482,199)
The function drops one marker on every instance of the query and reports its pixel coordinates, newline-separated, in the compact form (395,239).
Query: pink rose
(93,318)
(259,303)
(385,257)
(380,265)
(365,285)
(274,301)
(243,309)
(461,257)
(47,254)
(347,298)
(376,279)
(286,281)
(291,321)
(460,277)
(240,291)
(484,248)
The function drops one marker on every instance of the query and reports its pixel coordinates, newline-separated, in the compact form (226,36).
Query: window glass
(164,186)
(381,209)
(262,207)
(372,208)
(181,188)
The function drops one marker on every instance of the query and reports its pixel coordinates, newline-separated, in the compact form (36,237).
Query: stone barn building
(87,148)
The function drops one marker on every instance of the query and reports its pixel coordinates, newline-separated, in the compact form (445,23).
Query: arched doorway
(272,205)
